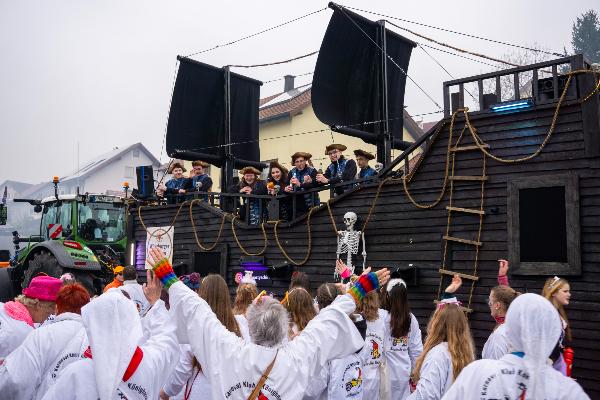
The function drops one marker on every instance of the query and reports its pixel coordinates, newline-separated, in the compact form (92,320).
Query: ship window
(543,225)
(210,262)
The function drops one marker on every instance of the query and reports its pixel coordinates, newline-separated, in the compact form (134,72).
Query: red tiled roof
(428,125)
(285,108)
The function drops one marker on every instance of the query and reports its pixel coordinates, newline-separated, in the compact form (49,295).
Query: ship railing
(270,207)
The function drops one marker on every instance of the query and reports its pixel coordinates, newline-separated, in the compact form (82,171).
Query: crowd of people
(297,182)
(354,340)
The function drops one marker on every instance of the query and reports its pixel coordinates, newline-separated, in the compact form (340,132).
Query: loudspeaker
(145,181)
(546,88)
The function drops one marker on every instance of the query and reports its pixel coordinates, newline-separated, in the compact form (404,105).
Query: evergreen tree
(586,36)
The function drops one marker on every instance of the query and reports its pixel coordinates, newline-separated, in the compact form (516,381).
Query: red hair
(71,298)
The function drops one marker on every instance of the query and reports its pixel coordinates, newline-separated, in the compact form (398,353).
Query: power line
(312,131)
(458,33)
(258,33)
(280,79)
(276,62)
(445,70)
(458,55)
(388,57)
(454,47)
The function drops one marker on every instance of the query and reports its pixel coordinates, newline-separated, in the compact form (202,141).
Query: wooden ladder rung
(464,309)
(469,148)
(452,273)
(468,178)
(465,210)
(461,240)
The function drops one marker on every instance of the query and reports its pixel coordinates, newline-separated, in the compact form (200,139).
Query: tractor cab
(83,234)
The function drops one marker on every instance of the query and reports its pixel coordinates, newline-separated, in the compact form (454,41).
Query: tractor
(84,234)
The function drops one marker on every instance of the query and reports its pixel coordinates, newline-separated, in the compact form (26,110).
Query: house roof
(288,104)
(16,185)
(428,125)
(104,159)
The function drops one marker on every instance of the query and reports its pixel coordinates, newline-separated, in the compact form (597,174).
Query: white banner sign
(160,236)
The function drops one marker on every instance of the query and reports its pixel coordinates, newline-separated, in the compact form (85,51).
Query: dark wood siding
(399,233)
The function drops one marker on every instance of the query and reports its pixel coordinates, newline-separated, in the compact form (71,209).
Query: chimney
(288,83)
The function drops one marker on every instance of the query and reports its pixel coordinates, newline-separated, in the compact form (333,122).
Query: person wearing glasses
(118,281)
(340,169)
(301,178)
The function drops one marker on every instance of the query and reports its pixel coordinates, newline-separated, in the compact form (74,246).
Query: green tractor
(81,234)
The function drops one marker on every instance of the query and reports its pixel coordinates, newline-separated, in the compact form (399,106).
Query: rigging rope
(285,254)
(257,33)
(458,33)
(262,227)
(389,57)
(276,62)
(209,248)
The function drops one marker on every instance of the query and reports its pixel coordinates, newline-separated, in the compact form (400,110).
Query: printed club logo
(353,380)
(375,354)
(403,341)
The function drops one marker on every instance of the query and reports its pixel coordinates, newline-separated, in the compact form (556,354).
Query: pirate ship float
(516,179)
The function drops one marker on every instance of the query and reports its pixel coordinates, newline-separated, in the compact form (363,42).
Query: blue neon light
(512,106)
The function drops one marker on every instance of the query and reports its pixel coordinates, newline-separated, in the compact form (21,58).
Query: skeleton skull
(350,220)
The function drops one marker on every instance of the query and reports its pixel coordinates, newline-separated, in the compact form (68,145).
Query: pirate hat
(334,146)
(275,164)
(365,154)
(306,156)
(176,165)
(249,170)
(199,163)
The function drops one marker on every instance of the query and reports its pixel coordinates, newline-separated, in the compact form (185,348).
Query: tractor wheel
(43,262)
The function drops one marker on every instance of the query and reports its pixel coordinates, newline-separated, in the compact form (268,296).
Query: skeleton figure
(348,242)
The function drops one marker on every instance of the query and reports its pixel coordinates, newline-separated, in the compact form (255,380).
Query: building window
(136,153)
(264,175)
(543,225)
(129,172)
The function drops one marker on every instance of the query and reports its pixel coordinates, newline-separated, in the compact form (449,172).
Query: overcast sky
(100,72)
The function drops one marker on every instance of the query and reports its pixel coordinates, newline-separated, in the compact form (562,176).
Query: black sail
(347,82)
(196,127)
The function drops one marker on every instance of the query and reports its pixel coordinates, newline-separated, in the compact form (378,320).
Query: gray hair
(267,322)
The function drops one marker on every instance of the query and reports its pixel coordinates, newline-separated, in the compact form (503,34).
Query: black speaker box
(145,181)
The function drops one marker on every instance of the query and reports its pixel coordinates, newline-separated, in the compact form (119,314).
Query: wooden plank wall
(399,233)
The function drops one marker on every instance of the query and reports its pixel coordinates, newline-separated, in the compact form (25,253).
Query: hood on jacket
(114,330)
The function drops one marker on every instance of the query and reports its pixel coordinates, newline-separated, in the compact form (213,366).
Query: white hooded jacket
(29,371)
(401,355)
(373,355)
(497,344)
(12,332)
(533,328)
(233,366)
(136,292)
(114,330)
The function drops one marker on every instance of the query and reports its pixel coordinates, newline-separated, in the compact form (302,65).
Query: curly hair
(244,295)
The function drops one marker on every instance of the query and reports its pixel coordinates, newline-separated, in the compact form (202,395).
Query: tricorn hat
(365,154)
(249,170)
(335,146)
(306,156)
(176,165)
(199,163)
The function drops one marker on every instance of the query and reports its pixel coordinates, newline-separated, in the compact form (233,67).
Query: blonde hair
(29,302)
(552,286)
(448,324)
(244,295)
(369,306)
(300,306)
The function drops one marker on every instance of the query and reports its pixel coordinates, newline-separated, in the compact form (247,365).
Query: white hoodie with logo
(401,355)
(32,368)
(234,366)
(114,330)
